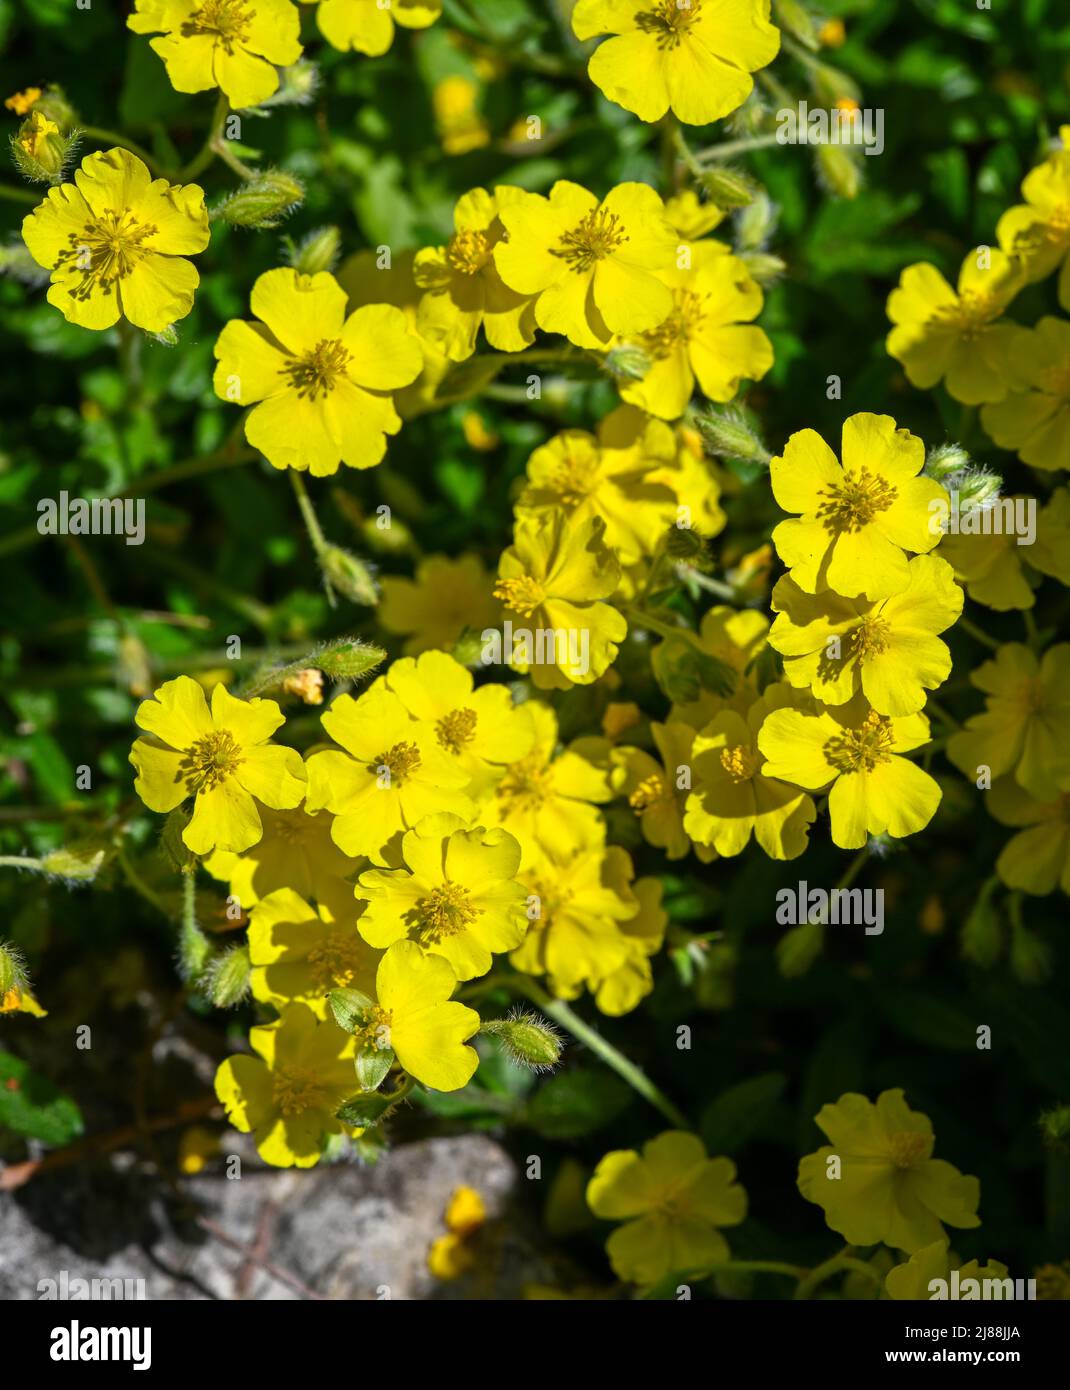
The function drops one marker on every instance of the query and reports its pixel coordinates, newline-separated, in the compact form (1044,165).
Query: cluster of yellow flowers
(1019,747)
(876,1181)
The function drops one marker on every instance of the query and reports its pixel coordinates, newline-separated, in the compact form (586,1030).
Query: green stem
(15,861)
(942,714)
(208,150)
(561,1013)
(732,148)
(19,195)
(101,136)
(758,1267)
(644,619)
(978,634)
(835,1265)
(138,884)
(1032,635)
(130,361)
(312,526)
(194,947)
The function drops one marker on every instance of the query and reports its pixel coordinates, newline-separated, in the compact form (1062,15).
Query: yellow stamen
(522,594)
(740,762)
(468,252)
(456,729)
(401,761)
(318,371)
(447,910)
(855,502)
(594,238)
(211,760)
(861,749)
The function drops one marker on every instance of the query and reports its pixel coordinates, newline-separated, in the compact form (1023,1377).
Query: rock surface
(344,1231)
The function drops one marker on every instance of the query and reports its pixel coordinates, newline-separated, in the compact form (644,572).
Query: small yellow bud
(21,102)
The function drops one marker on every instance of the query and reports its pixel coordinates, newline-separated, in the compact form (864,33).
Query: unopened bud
(527,1039)
(763,267)
(226,980)
(729,188)
(40,150)
(729,434)
(627,363)
(839,171)
(468,648)
(349,576)
(348,659)
(686,546)
(12,970)
(832,86)
(755,224)
(297,85)
(946,462)
(76,863)
(54,104)
(262,202)
(317,251)
(133,666)
(792,16)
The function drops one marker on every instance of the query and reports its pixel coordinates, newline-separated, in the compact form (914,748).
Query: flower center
(907,1147)
(669,20)
(1055,381)
(869,638)
(468,252)
(576,476)
(1031,696)
(456,729)
(593,239)
(522,594)
(855,502)
(226,20)
(523,788)
(740,762)
(861,749)
(401,760)
(334,962)
(447,910)
(106,251)
(295,1091)
(651,791)
(684,320)
(318,371)
(375,1032)
(1052,231)
(210,761)
(972,314)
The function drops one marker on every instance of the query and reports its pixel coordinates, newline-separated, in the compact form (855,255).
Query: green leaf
(733,1117)
(576,1103)
(372,1065)
(32,1106)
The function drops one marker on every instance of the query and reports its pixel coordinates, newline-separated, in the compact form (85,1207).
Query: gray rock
(344,1231)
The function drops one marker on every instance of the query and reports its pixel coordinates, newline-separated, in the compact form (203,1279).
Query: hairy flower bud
(262,202)
(729,434)
(40,150)
(12,970)
(528,1040)
(839,170)
(350,576)
(729,188)
(226,980)
(317,251)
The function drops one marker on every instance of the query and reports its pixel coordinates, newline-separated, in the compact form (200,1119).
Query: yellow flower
(433,609)
(456,897)
(1036,422)
(296,851)
(115,240)
(300,953)
(1038,859)
(578,901)
(832,34)
(990,566)
(621,989)
(35,133)
(654,789)
(368,281)
(856,520)
(222,759)
(452,1255)
(673,1199)
(544,797)
(391,774)
(885,1186)
(1025,726)
(551,581)
(594,265)
(460,126)
(197,1147)
(914,1279)
(855,752)
(706,336)
(235,45)
(367,26)
(426,1029)
(889,649)
(732,794)
(691,218)
(462,287)
(618,475)
(477,434)
(1038,231)
(473,727)
(288,1094)
(941,335)
(694,59)
(322,381)
(730,636)
(20,1000)
(21,102)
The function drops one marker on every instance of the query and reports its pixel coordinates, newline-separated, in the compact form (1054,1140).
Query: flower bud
(832,86)
(297,85)
(685,546)
(468,648)
(133,666)
(728,188)
(262,202)
(527,1039)
(349,576)
(763,267)
(348,658)
(839,171)
(627,363)
(40,150)
(226,980)
(77,863)
(317,251)
(756,223)
(792,16)
(729,434)
(946,462)
(12,970)
(1030,956)
(56,107)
